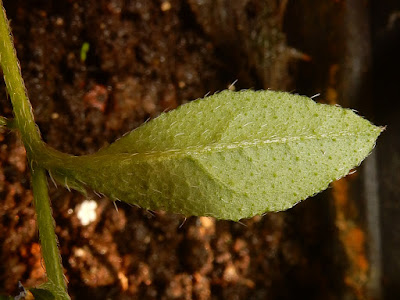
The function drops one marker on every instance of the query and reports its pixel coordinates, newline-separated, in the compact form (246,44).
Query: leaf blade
(234,155)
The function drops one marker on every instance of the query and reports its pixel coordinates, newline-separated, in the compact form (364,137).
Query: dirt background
(147,57)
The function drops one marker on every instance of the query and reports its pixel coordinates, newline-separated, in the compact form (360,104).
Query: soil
(146,57)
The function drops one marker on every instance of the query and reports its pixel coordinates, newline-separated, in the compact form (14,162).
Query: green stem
(48,238)
(30,135)
(22,108)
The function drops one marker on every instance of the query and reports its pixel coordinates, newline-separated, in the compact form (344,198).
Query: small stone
(86,212)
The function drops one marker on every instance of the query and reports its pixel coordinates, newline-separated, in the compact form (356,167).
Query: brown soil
(146,57)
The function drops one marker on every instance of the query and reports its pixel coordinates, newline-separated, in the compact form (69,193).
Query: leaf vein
(220,147)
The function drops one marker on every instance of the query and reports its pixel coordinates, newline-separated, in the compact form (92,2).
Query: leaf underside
(231,155)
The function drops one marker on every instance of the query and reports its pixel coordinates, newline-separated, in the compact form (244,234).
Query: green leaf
(232,155)
(49,291)
(84,50)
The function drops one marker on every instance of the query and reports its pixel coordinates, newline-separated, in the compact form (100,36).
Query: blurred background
(97,69)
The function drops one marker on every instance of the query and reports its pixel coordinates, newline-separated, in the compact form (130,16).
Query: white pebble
(86,212)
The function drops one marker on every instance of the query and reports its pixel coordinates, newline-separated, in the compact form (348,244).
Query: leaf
(231,155)
(49,291)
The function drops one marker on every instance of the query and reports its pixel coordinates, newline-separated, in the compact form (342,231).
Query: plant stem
(22,108)
(48,238)
(30,135)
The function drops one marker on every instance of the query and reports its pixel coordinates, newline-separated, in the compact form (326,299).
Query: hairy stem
(22,108)
(30,135)
(46,226)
